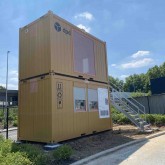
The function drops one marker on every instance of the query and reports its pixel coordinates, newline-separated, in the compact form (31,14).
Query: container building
(63,82)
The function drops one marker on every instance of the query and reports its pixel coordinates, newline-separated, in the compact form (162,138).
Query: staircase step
(137,118)
(147,125)
(126,107)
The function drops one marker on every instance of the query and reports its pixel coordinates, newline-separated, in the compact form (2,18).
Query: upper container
(51,44)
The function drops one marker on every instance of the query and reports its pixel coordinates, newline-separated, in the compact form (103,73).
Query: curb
(10,129)
(106,152)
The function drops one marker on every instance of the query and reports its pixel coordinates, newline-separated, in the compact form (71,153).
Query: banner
(103,103)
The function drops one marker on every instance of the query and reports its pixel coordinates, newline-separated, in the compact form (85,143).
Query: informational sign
(59,86)
(103,103)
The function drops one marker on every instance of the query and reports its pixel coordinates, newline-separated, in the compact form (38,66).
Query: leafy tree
(140,82)
(116,81)
(1,87)
(154,72)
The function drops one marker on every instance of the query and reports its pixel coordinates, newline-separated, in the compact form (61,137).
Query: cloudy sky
(134,30)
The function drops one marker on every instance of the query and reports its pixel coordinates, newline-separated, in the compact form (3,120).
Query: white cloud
(140,53)
(113,65)
(137,63)
(12,80)
(85,15)
(13,74)
(123,76)
(87,29)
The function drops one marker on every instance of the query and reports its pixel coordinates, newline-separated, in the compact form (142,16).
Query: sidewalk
(10,129)
(119,154)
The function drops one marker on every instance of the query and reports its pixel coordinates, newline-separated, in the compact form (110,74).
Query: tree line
(140,82)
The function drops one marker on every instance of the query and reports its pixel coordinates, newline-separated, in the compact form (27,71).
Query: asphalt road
(12,135)
(149,152)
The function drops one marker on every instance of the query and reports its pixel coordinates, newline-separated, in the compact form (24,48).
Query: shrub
(34,153)
(5,146)
(15,123)
(15,159)
(1,139)
(63,153)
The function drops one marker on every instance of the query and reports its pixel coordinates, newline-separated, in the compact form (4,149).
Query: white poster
(103,103)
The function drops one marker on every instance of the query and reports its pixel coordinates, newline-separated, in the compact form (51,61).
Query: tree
(2,88)
(162,70)
(140,82)
(154,72)
(116,82)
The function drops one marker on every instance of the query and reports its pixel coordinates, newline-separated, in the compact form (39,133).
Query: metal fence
(154,104)
(8,115)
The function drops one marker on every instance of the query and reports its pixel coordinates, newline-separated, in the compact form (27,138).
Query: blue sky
(134,30)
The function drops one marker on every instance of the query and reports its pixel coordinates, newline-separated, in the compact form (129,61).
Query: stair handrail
(123,102)
(129,107)
(121,90)
(128,101)
(131,102)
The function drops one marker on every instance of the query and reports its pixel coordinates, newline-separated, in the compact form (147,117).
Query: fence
(154,104)
(8,115)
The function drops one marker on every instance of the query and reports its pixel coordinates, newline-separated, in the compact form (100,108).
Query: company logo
(58,28)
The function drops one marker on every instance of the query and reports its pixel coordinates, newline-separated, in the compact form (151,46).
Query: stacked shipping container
(62,77)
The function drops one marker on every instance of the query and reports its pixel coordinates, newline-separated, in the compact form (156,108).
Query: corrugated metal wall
(34,49)
(44,49)
(41,118)
(154,104)
(35,110)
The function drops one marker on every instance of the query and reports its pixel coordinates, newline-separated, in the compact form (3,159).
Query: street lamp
(6,105)
(7,76)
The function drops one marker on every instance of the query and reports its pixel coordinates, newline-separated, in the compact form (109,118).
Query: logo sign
(59,28)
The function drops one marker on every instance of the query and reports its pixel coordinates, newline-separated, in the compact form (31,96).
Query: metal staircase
(131,108)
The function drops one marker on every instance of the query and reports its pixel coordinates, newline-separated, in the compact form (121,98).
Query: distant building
(158,85)
(12,97)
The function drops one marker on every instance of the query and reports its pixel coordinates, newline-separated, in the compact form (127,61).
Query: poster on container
(103,103)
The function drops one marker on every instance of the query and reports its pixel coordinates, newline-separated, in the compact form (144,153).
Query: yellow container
(50,112)
(51,44)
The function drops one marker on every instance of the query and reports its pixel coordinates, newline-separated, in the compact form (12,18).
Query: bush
(120,119)
(34,153)
(153,119)
(15,159)
(63,153)
(5,146)
(21,154)
(1,139)
(15,123)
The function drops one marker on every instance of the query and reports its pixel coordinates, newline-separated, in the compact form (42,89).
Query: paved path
(151,152)
(12,134)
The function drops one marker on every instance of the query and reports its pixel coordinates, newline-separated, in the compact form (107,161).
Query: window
(92,100)
(84,61)
(79,99)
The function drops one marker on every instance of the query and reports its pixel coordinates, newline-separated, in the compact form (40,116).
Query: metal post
(6,104)
(7,122)
(7,76)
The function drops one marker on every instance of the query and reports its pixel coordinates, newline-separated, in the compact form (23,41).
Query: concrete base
(18,142)
(51,146)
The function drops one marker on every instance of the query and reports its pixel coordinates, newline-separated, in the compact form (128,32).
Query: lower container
(56,108)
